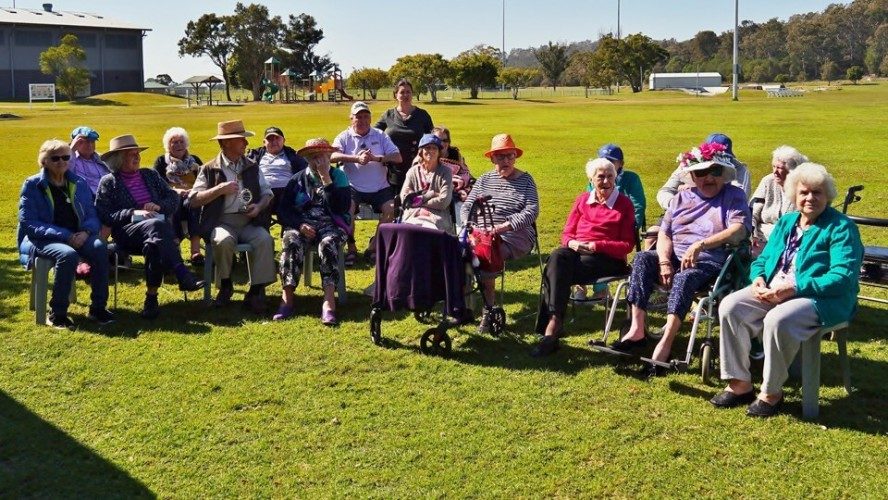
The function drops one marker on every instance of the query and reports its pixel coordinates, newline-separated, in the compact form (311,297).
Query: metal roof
(10,15)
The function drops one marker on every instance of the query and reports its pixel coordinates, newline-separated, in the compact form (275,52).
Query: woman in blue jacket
(805,278)
(57,221)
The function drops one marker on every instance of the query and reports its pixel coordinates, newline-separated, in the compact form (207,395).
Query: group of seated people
(805,276)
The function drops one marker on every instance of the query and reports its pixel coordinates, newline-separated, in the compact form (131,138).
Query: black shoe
(101,316)
(60,321)
(189,283)
(256,302)
(761,409)
(547,346)
(728,399)
(223,298)
(151,309)
(628,346)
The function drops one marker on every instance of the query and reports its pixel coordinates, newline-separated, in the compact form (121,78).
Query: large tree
(210,36)
(476,68)
(515,78)
(426,71)
(66,63)
(630,59)
(369,80)
(553,59)
(591,70)
(301,35)
(257,36)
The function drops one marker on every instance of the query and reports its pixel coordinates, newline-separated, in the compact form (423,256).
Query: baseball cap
(273,131)
(84,131)
(358,107)
(611,151)
(719,138)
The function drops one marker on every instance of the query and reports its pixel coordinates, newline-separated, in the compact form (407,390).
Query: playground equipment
(333,87)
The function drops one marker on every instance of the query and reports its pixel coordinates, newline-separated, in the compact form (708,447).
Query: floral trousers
(329,240)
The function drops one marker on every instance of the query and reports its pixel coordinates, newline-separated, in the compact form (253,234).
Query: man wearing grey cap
(364,151)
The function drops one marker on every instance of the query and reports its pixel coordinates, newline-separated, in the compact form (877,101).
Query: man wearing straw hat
(232,193)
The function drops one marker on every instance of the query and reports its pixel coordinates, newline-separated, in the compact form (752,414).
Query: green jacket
(827,263)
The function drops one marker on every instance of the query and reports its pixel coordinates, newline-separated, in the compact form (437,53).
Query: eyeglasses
(714,170)
(504,156)
(60,157)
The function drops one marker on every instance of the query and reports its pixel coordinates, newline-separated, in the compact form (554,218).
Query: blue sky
(375,33)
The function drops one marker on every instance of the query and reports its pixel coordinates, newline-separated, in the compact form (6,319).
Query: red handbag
(487,249)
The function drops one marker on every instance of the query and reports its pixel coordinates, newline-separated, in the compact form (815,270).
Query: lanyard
(793,242)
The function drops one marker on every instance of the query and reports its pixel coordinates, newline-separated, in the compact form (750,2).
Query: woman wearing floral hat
(314,210)
(689,253)
(512,193)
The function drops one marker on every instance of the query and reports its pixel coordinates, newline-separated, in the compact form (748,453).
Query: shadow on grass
(13,280)
(538,101)
(37,459)
(95,101)
(456,103)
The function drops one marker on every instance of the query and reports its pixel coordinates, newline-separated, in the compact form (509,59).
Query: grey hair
(596,164)
(115,160)
(173,132)
(790,156)
(49,147)
(811,175)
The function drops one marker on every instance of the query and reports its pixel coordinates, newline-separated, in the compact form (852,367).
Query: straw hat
(122,143)
(316,146)
(231,130)
(503,142)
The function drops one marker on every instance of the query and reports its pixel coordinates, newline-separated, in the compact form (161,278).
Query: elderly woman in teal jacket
(805,278)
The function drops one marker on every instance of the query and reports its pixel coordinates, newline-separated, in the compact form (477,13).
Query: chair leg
(307,266)
(208,272)
(249,269)
(340,263)
(811,377)
(40,280)
(116,276)
(841,337)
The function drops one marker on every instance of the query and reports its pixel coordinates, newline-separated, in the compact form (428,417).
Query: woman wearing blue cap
(85,162)
(428,188)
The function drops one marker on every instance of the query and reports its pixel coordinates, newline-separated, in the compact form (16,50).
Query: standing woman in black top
(405,124)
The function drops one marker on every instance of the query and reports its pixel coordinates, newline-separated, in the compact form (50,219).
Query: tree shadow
(13,279)
(37,459)
(538,101)
(456,103)
(96,101)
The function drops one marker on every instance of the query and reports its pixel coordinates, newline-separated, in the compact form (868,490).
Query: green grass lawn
(204,402)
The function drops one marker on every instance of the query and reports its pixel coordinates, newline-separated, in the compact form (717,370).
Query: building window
(33,38)
(2,37)
(86,40)
(121,41)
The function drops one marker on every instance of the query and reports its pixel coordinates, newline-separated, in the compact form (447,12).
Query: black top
(406,135)
(63,211)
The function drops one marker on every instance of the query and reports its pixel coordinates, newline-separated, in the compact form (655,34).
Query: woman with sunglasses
(690,247)
(57,221)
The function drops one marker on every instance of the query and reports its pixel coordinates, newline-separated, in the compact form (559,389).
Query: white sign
(41,92)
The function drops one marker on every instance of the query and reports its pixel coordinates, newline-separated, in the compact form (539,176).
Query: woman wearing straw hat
(513,195)
(135,202)
(314,209)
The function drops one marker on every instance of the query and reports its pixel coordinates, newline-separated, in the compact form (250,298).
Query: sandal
(197,259)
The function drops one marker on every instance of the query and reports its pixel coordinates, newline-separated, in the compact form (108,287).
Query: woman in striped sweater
(513,195)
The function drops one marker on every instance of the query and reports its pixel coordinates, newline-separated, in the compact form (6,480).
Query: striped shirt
(136,186)
(514,200)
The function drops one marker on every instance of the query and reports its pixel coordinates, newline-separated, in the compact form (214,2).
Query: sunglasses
(714,170)
(60,157)
(504,156)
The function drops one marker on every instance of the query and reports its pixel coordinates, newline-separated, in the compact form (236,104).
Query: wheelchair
(732,276)
(874,270)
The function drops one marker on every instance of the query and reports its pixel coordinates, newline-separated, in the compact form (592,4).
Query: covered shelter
(200,80)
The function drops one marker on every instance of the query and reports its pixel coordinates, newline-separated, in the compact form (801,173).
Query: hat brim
(243,135)
(313,150)
(108,154)
(703,165)
(518,152)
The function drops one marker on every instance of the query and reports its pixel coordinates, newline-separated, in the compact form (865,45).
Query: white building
(660,81)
